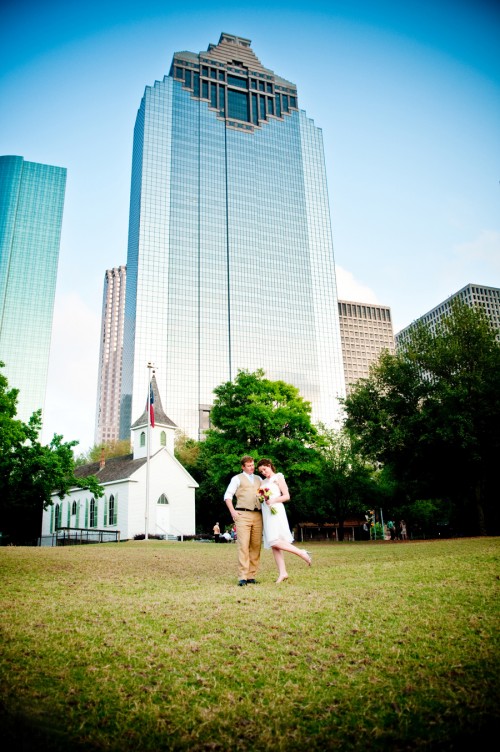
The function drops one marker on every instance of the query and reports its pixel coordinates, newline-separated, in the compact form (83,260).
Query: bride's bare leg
(280,563)
(284,546)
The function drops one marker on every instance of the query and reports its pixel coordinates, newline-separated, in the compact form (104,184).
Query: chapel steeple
(162,435)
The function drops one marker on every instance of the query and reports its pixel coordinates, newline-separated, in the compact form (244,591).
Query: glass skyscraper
(230,259)
(107,428)
(31,211)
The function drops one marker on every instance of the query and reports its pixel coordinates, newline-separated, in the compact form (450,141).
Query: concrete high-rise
(110,357)
(366,330)
(230,258)
(31,211)
(488,298)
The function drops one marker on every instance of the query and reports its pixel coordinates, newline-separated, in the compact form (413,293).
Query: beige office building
(365,331)
(472,295)
(110,358)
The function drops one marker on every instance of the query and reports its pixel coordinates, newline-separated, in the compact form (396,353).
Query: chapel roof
(115,468)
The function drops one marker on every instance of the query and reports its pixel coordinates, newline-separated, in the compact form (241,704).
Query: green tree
(118,448)
(30,471)
(431,414)
(262,418)
(187,450)
(348,482)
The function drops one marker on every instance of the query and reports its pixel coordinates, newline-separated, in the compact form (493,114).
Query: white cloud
(70,403)
(349,288)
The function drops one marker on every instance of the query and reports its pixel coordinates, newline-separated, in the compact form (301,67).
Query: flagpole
(148,452)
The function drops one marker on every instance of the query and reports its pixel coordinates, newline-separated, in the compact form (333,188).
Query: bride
(277,535)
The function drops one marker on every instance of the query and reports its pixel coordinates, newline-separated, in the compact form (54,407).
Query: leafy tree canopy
(118,448)
(349,484)
(431,412)
(29,471)
(262,418)
(186,450)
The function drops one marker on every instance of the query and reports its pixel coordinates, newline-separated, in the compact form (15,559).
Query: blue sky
(407,95)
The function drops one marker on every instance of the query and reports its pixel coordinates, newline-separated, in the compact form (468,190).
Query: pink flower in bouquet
(263,495)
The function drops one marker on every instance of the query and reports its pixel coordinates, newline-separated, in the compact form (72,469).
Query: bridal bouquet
(263,495)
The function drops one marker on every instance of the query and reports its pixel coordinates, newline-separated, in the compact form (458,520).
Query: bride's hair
(267,463)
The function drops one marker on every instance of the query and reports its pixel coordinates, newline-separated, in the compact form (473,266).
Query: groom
(248,519)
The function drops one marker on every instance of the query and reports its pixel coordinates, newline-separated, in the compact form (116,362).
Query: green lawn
(150,645)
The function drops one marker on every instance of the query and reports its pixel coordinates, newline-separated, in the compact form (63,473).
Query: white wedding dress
(275,526)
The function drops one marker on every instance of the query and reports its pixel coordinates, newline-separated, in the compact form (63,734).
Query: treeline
(421,436)
(420,439)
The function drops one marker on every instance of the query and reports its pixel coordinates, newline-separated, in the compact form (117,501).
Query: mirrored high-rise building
(107,428)
(230,259)
(31,211)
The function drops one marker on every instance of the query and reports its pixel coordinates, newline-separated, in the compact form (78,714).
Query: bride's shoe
(282,578)
(309,557)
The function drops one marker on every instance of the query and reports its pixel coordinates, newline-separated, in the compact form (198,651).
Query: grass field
(149,645)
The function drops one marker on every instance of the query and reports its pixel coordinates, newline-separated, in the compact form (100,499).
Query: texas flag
(151,406)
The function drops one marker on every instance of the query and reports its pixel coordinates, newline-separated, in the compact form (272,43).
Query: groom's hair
(266,463)
(246,459)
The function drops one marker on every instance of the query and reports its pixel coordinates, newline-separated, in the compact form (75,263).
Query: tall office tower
(366,330)
(31,211)
(230,259)
(472,295)
(110,357)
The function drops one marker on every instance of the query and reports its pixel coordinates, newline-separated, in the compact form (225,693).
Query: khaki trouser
(249,532)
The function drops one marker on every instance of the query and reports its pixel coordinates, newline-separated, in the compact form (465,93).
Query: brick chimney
(102,461)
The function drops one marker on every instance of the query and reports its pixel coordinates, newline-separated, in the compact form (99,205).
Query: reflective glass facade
(110,357)
(230,261)
(31,211)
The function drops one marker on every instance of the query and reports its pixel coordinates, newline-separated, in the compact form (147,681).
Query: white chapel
(164,493)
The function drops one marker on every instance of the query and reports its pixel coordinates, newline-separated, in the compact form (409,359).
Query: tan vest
(246,493)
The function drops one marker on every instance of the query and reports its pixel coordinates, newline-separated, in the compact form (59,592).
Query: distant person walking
(216,532)
(402,530)
(392,529)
